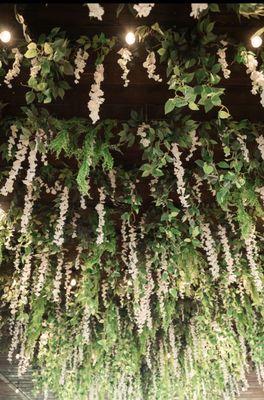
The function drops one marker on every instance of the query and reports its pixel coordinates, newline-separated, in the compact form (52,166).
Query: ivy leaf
(30,97)
(223,164)
(169,106)
(223,114)
(208,169)
(30,53)
(193,106)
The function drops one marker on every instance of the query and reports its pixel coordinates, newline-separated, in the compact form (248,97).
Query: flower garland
(95,10)
(35,68)
(100,208)
(222,60)
(143,9)
(228,257)
(260,142)
(15,70)
(58,278)
(195,144)
(42,273)
(179,173)
(96,94)
(12,139)
(257,77)
(141,131)
(126,56)
(209,247)
(80,63)
(64,204)
(252,253)
(150,65)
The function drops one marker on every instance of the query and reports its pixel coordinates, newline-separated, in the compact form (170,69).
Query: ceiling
(141,94)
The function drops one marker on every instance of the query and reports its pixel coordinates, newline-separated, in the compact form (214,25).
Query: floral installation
(95,10)
(126,56)
(179,173)
(210,249)
(141,132)
(64,204)
(195,144)
(257,77)
(150,65)
(222,60)
(96,94)
(143,9)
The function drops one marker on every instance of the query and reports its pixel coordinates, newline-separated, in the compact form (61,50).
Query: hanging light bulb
(256,41)
(73,282)
(5,36)
(130,38)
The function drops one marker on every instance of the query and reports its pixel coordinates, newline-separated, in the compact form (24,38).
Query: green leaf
(30,97)
(47,48)
(169,106)
(223,164)
(208,169)
(223,114)
(31,53)
(193,106)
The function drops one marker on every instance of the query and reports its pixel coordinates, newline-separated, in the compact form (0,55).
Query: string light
(5,36)
(130,38)
(256,41)
(73,282)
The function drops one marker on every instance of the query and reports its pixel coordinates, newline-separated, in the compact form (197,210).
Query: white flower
(80,63)
(35,67)
(58,278)
(260,142)
(257,77)
(222,61)
(112,178)
(197,9)
(101,214)
(150,65)
(19,158)
(252,254)
(126,56)
(260,190)
(12,139)
(245,152)
(143,9)
(95,10)
(96,94)
(132,257)
(228,257)
(28,207)
(15,70)
(42,273)
(195,144)
(64,204)
(209,247)
(142,133)
(179,173)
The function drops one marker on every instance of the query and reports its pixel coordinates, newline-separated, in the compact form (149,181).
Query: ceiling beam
(15,389)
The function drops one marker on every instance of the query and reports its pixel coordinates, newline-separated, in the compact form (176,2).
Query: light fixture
(5,36)
(73,282)
(130,38)
(256,41)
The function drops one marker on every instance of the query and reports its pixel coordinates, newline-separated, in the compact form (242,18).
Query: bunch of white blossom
(179,173)
(126,56)
(260,190)
(80,63)
(222,60)
(19,158)
(228,257)
(141,132)
(15,70)
(12,139)
(28,207)
(132,257)
(197,9)
(195,144)
(150,65)
(257,77)
(209,247)
(245,152)
(64,204)
(143,9)
(96,94)
(260,142)
(58,278)
(42,272)
(252,255)
(95,10)
(112,178)
(100,208)
(35,67)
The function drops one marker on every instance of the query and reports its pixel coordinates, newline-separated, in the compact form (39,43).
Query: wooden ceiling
(141,94)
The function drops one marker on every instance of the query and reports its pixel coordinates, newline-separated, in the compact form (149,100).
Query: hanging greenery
(115,291)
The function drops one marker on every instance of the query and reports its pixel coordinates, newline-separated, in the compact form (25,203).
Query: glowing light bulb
(130,38)
(256,41)
(73,282)
(5,36)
